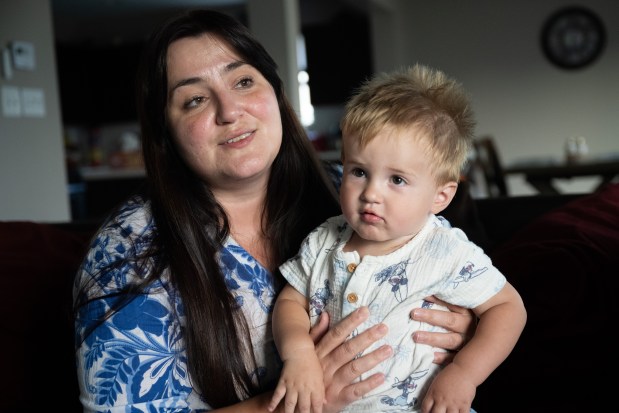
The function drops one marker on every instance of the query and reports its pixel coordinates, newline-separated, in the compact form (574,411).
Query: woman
(173,301)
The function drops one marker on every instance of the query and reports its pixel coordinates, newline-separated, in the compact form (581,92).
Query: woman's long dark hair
(191,225)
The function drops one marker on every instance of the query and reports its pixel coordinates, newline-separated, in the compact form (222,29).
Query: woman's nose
(228,108)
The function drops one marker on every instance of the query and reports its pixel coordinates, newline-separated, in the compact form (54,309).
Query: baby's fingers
(278,395)
(290,403)
(309,402)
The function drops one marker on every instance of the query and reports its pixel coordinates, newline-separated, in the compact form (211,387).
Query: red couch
(560,252)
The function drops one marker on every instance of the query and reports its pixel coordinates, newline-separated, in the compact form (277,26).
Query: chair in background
(486,166)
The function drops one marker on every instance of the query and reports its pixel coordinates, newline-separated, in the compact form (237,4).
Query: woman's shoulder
(128,231)
(133,216)
(112,259)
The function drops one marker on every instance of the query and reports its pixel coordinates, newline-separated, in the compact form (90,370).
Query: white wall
(493,48)
(33,183)
(276,23)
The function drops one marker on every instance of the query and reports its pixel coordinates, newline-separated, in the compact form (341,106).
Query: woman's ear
(444,194)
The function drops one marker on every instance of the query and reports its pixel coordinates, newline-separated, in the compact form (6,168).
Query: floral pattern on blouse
(135,361)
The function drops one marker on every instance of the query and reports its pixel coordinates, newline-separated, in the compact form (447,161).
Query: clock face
(573,37)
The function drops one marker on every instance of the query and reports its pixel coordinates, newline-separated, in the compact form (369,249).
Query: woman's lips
(239,138)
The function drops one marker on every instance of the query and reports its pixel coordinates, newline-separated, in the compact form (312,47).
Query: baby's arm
(502,319)
(301,380)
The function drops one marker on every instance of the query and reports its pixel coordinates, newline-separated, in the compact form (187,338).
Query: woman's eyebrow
(193,80)
(236,64)
(185,82)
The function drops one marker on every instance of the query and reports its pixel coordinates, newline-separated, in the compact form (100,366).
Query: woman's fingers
(355,391)
(443,357)
(343,364)
(338,333)
(341,358)
(353,369)
(460,323)
(341,388)
(318,331)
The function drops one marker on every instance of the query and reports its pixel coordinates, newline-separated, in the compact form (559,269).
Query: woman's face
(222,112)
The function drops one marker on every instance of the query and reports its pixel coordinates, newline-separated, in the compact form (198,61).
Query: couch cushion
(565,265)
(37,265)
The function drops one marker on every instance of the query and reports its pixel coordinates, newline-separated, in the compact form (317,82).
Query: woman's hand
(337,356)
(460,323)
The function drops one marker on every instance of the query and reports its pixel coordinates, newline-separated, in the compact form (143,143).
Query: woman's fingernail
(387,351)
(363,312)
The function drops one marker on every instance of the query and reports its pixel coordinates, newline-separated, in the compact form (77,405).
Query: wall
(33,181)
(530,106)
(493,48)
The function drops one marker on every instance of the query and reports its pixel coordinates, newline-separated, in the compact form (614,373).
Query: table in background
(101,188)
(541,174)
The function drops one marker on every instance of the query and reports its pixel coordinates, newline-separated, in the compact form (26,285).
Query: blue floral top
(135,361)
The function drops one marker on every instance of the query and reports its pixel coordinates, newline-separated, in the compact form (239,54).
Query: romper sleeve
(298,269)
(471,278)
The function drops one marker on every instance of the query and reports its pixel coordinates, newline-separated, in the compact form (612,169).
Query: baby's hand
(301,382)
(450,391)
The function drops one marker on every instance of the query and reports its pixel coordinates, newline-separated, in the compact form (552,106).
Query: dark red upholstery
(37,266)
(565,265)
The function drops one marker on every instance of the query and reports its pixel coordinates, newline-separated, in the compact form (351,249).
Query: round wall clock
(573,37)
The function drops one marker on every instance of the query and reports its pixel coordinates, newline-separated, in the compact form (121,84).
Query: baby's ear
(444,194)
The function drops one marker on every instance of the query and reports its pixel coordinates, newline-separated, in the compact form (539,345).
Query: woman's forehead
(204,47)
(188,56)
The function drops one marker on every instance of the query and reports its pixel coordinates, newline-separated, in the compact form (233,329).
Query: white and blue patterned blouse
(135,361)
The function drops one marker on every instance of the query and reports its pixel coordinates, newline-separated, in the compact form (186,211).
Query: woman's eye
(245,82)
(193,102)
(358,172)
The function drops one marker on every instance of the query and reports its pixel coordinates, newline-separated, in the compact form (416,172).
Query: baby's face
(388,190)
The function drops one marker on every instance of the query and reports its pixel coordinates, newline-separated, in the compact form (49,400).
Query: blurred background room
(69,138)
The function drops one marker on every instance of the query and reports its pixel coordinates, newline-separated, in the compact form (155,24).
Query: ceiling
(83,8)
(121,21)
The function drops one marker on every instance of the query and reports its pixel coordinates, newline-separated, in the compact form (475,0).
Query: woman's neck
(244,213)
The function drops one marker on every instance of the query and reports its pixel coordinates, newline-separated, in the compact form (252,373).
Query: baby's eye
(398,180)
(245,82)
(358,172)
(193,102)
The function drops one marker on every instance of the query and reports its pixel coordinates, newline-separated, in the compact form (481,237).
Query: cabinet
(103,188)
(339,56)
(97,83)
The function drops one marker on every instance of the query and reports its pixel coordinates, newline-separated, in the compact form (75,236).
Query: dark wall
(338,56)
(97,83)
